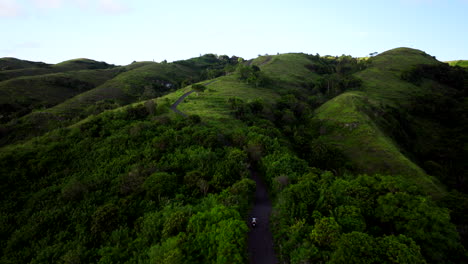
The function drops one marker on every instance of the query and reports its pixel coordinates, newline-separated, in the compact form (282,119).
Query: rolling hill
(60,99)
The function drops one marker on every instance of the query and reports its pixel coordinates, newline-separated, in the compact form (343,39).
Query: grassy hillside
(81,64)
(461,63)
(352,118)
(15,64)
(291,68)
(61,100)
(22,95)
(25,68)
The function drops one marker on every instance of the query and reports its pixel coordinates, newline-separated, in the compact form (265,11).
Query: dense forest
(363,158)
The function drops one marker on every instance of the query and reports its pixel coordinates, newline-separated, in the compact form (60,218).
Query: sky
(122,31)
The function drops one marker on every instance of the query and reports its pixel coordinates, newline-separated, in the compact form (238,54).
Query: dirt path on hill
(181,99)
(260,238)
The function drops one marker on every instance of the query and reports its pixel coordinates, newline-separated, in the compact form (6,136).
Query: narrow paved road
(174,105)
(181,99)
(260,239)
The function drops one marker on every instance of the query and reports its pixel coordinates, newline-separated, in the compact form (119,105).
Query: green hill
(363,159)
(64,98)
(15,64)
(461,63)
(25,94)
(18,68)
(81,64)
(352,117)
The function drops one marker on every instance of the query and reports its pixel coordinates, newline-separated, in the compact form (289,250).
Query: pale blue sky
(119,31)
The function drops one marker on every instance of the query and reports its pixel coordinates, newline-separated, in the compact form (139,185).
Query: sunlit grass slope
(290,68)
(213,105)
(349,120)
(461,63)
(127,87)
(382,79)
(285,70)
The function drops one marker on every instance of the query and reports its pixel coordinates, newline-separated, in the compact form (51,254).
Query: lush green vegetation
(364,160)
(363,219)
(153,189)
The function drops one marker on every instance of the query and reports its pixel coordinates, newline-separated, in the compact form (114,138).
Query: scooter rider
(254,222)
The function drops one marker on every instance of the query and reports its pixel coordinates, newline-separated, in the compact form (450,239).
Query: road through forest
(260,238)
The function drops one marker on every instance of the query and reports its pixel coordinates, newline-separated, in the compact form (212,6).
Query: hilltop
(364,159)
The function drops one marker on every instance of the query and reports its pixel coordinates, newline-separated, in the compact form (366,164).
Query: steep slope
(360,123)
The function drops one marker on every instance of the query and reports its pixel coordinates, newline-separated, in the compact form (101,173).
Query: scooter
(254,222)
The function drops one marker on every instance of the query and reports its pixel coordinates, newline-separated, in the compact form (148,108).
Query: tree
(326,232)
(199,88)
(355,247)
(418,218)
(168,252)
(399,249)
(350,218)
(160,184)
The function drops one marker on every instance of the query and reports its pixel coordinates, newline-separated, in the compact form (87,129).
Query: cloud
(112,7)
(9,8)
(48,4)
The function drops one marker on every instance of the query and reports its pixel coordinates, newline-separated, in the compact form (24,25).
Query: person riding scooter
(254,222)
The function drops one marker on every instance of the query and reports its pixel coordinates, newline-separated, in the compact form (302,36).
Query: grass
(370,149)
(8,63)
(288,68)
(25,68)
(127,87)
(212,105)
(81,64)
(461,63)
(350,118)
(50,89)
(382,79)
(111,87)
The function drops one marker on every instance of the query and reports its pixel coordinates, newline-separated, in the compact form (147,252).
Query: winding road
(181,99)
(260,239)
(174,105)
